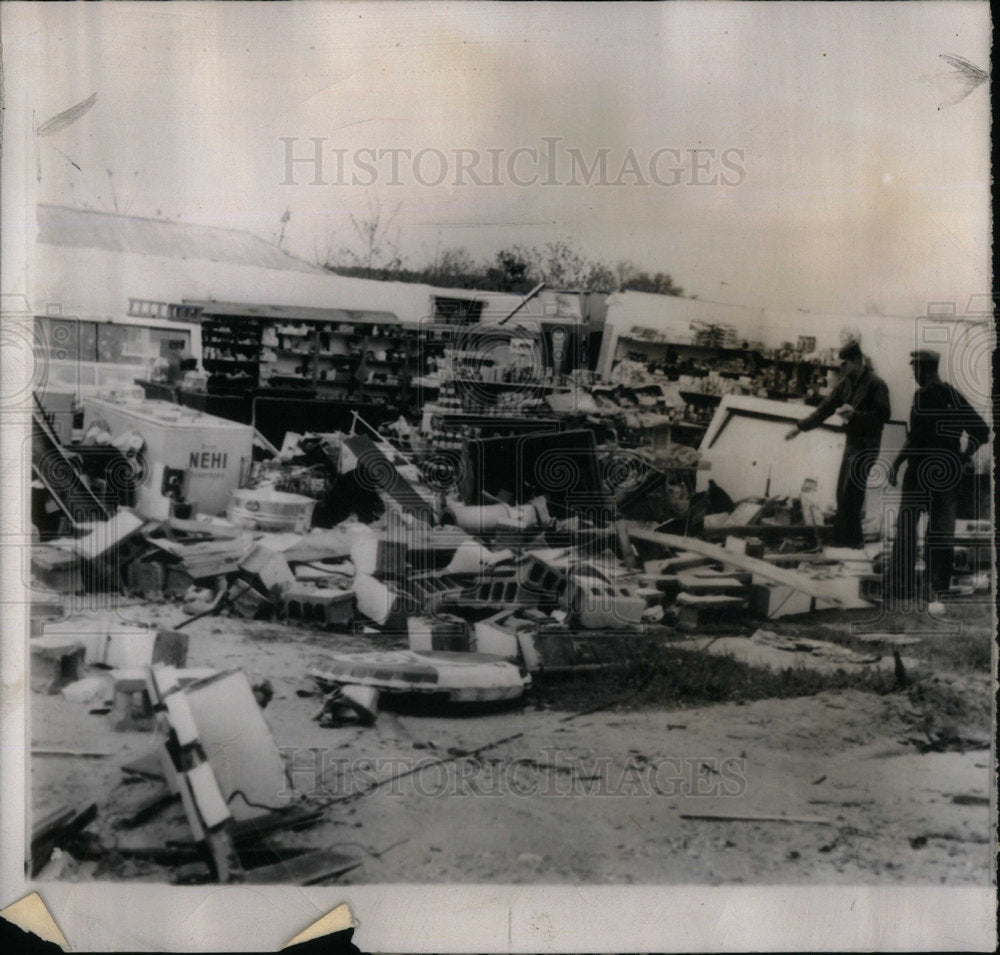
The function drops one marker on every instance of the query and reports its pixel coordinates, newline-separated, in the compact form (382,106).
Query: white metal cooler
(215,453)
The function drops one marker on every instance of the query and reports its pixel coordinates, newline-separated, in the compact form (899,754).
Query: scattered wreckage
(477,573)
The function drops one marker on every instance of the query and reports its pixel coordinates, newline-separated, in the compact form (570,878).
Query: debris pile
(470,571)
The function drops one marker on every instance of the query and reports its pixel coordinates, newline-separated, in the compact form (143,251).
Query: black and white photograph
(498,476)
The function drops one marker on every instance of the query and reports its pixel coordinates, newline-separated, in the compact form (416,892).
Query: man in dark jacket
(861,398)
(935,461)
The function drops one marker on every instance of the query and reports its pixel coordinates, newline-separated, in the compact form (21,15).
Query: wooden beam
(815,588)
(755,817)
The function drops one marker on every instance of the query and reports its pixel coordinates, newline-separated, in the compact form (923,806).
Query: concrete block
(708,612)
(544,572)
(599,605)
(668,585)
(323,606)
(729,586)
(55,662)
(379,601)
(497,635)
(442,632)
(870,587)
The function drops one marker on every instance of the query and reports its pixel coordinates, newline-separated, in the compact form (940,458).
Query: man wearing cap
(861,398)
(935,460)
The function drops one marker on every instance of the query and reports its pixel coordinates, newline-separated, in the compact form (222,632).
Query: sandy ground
(601,797)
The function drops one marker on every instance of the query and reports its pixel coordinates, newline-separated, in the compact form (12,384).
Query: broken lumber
(148,809)
(755,817)
(69,751)
(814,588)
(310,868)
(54,830)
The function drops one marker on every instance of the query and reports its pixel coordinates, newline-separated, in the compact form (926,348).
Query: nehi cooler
(214,453)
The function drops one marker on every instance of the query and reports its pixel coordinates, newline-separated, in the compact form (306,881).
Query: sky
(832,171)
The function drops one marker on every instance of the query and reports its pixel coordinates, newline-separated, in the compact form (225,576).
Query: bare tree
(280,237)
(374,232)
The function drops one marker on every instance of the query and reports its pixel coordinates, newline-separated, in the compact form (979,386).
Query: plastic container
(266,509)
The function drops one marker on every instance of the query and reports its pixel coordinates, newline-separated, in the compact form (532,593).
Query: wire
(256,805)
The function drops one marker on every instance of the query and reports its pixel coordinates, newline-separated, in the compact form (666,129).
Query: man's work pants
(930,487)
(852,485)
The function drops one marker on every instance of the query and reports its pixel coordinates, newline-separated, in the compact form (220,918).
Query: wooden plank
(814,588)
(294,817)
(215,531)
(147,809)
(69,751)
(803,557)
(755,817)
(54,829)
(308,869)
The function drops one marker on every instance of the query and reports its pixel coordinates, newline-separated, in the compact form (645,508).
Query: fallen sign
(463,677)
(814,588)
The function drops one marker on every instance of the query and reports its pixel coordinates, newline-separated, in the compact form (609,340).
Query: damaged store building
(440,499)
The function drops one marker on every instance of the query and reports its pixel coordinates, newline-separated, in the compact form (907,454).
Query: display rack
(358,355)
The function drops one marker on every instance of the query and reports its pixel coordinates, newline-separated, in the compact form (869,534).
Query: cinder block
(55,663)
(599,605)
(498,635)
(504,591)
(708,612)
(324,607)
(539,575)
(870,587)
(729,586)
(443,632)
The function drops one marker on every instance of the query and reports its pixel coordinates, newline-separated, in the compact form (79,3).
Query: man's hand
(793,433)
(846,412)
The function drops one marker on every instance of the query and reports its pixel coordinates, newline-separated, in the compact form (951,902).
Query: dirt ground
(872,784)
